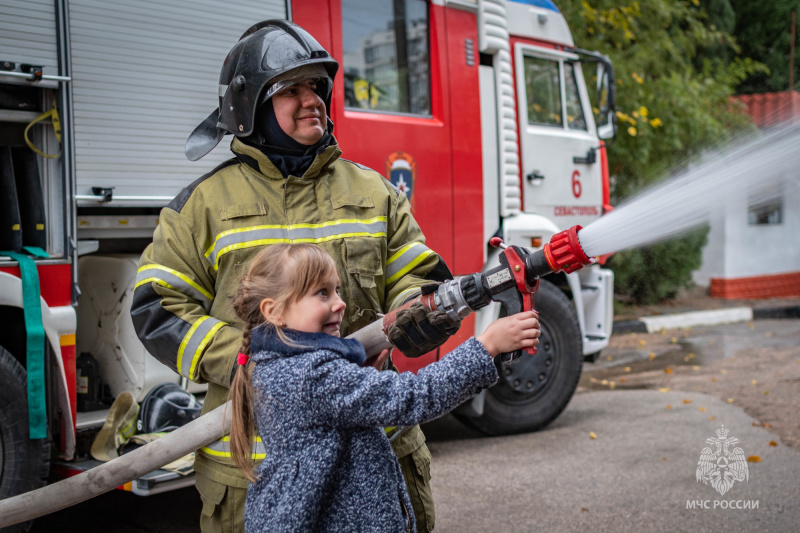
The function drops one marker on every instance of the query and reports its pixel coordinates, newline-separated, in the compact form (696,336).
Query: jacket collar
(266,345)
(255,159)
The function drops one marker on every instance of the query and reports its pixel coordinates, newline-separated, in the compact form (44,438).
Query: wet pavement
(691,346)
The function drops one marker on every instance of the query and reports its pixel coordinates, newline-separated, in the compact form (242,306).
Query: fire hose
(513,284)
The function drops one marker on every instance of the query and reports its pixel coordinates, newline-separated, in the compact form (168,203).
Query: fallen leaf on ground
(730,400)
(712,418)
(642,342)
(651,355)
(604,382)
(622,380)
(674,340)
(611,384)
(584,510)
(691,356)
(592,435)
(627,369)
(723,371)
(713,379)
(663,389)
(765,392)
(609,358)
(687,401)
(663,458)
(754,459)
(773,443)
(702,409)
(754,382)
(668,371)
(669,406)
(695,367)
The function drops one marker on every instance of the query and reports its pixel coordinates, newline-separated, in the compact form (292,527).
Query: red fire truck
(478,110)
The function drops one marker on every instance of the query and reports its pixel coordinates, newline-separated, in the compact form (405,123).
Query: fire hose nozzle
(564,252)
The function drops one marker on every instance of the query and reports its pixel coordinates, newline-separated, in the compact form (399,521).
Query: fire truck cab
(478,110)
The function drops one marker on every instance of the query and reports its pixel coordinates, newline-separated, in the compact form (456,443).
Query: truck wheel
(24,463)
(534,391)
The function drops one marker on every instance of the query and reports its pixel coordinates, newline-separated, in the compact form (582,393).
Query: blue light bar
(546,4)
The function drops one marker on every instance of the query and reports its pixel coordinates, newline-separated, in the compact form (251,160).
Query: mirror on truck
(606,118)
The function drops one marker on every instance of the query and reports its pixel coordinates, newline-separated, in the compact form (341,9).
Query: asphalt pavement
(613,461)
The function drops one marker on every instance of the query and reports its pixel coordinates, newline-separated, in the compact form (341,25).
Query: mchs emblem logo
(720,465)
(401,170)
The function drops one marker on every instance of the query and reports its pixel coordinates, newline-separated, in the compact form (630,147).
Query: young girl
(320,413)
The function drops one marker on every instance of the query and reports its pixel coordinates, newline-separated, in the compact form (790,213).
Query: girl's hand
(511,333)
(377,361)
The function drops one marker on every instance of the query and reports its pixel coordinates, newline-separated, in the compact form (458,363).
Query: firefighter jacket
(207,235)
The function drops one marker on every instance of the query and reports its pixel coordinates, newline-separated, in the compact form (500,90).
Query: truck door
(388,104)
(561,171)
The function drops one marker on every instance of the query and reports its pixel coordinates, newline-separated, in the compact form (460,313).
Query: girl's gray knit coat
(329,465)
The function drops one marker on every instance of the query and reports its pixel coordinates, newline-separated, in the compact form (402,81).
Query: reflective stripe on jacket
(210,232)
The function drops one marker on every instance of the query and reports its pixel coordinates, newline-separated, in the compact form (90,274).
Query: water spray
(748,172)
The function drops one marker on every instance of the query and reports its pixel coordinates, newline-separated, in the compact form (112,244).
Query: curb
(653,324)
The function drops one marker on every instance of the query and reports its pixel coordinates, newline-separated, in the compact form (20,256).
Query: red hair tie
(242,359)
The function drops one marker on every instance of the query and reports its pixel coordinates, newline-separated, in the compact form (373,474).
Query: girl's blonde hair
(284,273)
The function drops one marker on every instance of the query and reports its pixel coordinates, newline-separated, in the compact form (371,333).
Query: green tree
(672,105)
(721,16)
(763,31)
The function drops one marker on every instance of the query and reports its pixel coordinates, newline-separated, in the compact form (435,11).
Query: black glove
(417,331)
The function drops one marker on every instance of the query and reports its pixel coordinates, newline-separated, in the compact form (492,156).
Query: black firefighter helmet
(263,54)
(167,407)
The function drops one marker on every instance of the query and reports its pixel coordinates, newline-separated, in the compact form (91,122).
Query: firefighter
(286,183)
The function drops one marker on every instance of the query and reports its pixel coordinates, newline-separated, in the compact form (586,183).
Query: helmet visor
(322,86)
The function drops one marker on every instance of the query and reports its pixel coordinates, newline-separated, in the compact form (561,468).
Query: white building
(753,248)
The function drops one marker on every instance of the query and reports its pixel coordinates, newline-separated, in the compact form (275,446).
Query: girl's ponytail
(242,421)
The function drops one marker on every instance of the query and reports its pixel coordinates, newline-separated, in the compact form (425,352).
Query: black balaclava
(289,156)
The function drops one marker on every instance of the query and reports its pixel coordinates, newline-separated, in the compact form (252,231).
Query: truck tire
(534,391)
(24,463)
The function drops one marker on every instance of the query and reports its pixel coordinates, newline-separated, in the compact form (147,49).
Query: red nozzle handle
(496,242)
(564,252)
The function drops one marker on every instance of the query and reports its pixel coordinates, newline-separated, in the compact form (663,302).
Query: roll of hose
(10,221)
(29,197)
